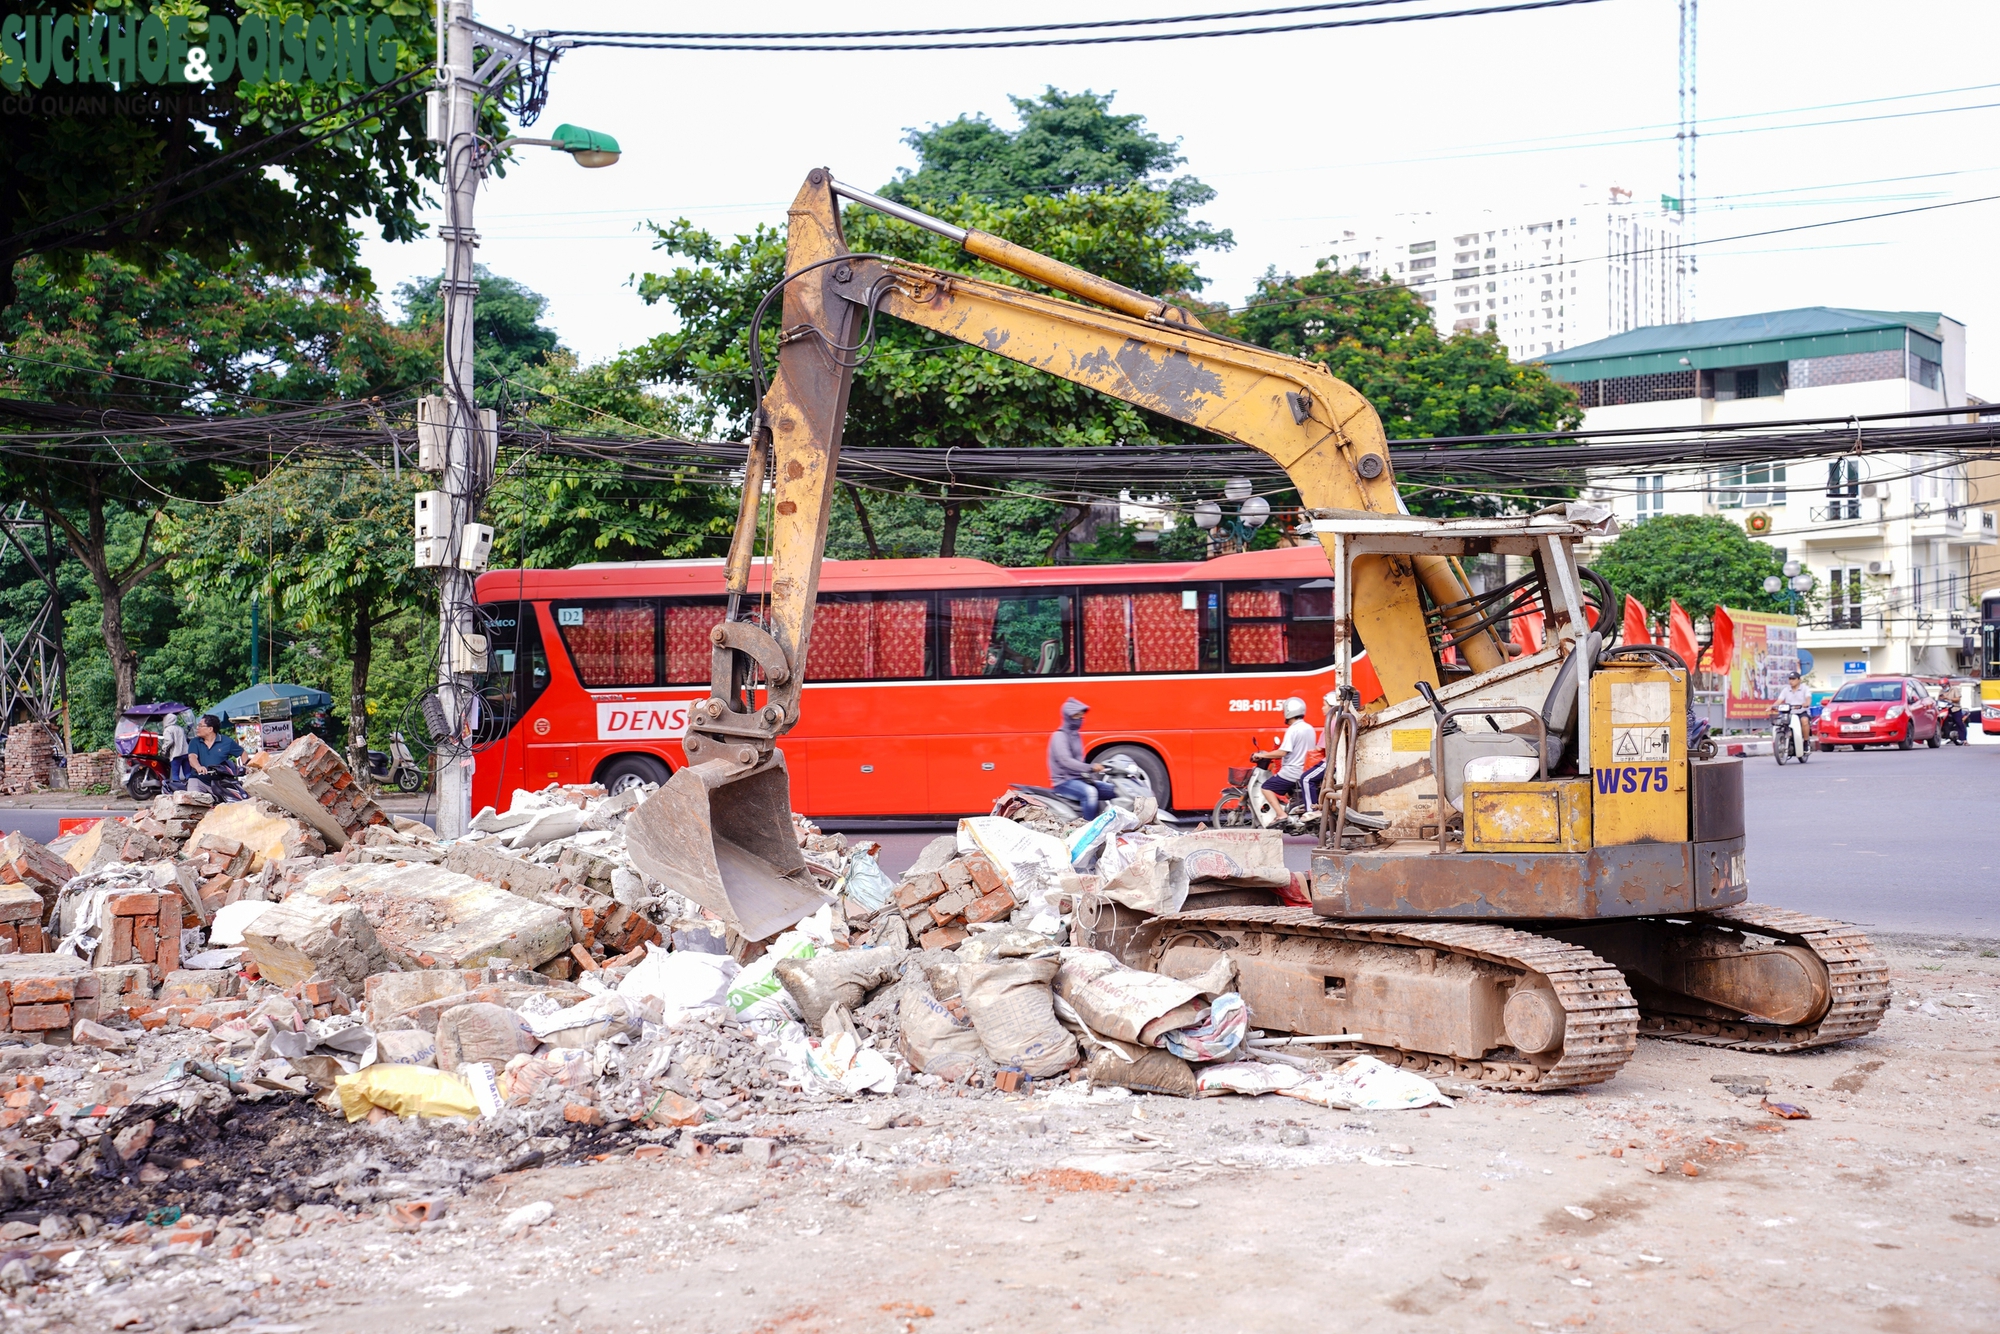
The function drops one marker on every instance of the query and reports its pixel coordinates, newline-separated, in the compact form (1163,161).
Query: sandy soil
(1065,1210)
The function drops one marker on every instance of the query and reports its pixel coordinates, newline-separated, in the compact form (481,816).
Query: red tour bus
(930,684)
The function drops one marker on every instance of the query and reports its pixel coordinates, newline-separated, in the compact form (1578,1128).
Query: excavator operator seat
(1468,745)
(1559,709)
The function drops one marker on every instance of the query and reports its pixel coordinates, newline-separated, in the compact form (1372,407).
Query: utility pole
(1685,141)
(463,437)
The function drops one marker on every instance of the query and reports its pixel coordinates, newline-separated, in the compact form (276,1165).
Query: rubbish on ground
(404,1090)
(1152,1071)
(1250,1078)
(528,1215)
(1367,1084)
(1786,1110)
(1213,1035)
(1004,977)
(681,979)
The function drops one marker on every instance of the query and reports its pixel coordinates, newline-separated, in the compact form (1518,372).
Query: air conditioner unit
(431,446)
(1868,489)
(1881,568)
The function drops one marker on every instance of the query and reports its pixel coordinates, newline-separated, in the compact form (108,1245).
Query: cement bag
(482,1032)
(1366,1084)
(1088,841)
(581,1027)
(1154,1072)
(1151,880)
(1248,1077)
(1013,1010)
(757,996)
(680,979)
(841,977)
(936,1037)
(1254,857)
(405,1090)
(1030,864)
(1122,1002)
(410,1046)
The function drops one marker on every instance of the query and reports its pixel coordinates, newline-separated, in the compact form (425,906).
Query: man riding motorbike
(1070,775)
(1800,701)
(1291,753)
(210,755)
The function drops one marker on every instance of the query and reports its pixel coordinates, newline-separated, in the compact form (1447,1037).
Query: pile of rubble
(192,966)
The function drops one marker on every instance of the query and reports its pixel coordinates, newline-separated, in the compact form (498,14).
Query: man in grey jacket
(1070,775)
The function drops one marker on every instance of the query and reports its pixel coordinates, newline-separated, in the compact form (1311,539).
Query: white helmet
(1294,708)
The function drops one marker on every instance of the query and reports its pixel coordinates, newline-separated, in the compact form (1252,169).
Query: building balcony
(1864,632)
(1844,521)
(1954,524)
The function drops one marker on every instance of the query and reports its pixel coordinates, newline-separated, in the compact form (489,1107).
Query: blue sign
(1853,668)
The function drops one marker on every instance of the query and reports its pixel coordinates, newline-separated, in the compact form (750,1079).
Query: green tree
(331,544)
(190,339)
(148,187)
(508,336)
(1378,337)
(915,387)
(1699,560)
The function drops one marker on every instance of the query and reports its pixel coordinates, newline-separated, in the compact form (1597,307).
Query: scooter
(224,783)
(1131,790)
(1244,804)
(396,765)
(1784,745)
(1951,724)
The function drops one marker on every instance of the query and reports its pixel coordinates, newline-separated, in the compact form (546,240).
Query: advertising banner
(1767,651)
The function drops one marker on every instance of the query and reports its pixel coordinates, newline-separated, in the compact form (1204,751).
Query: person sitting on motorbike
(1796,695)
(1070,775)
(1292,750)
(174,746)
(212,748)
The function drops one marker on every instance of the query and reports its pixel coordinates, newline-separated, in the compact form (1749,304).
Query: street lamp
(589,148)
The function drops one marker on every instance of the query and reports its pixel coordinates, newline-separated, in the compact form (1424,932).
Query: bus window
(611,643)
(1167,631)
(517,669)
(1011,635)
(689,649)
(1273,625)
(869,637)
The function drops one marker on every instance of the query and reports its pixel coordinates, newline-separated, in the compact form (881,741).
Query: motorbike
(396,765)
(224,783)
(1244,804)
(1131,790)
(147,771)
(1784,743)
(1951,723)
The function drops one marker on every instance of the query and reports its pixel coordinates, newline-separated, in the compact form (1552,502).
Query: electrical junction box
(433,514)
(1551,816)
(475,545)
(431,450)
(1638,754)
(432,553)
(468,653)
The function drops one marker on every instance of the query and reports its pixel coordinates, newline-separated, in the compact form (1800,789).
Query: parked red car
(1879,711)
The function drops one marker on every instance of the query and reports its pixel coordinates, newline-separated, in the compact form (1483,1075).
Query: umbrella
(243,704)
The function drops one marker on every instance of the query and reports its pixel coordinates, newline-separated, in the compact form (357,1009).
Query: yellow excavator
(1522,867)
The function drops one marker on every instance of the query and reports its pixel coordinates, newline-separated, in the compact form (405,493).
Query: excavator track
(1601,1016)
(1857,973)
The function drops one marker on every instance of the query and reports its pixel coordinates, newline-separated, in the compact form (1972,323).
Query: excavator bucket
(722,835)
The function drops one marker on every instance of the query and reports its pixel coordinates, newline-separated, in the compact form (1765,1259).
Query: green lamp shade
(590,148)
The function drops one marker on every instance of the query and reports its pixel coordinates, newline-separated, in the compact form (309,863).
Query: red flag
(1636,630)
(1680,632)
(1722,642)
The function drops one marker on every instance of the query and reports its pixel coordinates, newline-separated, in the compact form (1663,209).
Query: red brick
(39,1018)
(33,940)
(991,908)
(21,1097)
(12,937)
(168,958)
(199,1236)
(1009,1081)
(12,1117)
(319,993)
(920,890)
(135,905)
(982,872)
(582,1114)
(646,1151)
(146,938)
(121,940)
(42,991)
(942,937)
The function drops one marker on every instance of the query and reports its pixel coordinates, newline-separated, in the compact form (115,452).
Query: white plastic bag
(865,883)
(682,979)
(1366,1084)
(757,996)
(1247,1077)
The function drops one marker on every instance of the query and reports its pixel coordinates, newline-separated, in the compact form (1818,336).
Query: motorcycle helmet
(1294,708)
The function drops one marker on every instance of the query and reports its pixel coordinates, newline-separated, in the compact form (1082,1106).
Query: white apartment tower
(1544,281)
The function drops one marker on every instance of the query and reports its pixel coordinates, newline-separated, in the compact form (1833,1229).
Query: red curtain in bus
(972,634)
(1166,636)
(614,645)
(1256,643)
(688,644)
(899,638)
(1107,632)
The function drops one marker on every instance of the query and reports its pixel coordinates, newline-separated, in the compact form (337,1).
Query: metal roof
(1748,340)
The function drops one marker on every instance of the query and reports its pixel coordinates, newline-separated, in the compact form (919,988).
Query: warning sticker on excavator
(1639,744)
(1410,738)
(1641,702)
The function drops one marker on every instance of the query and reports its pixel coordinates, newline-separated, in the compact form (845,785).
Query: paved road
(41,822)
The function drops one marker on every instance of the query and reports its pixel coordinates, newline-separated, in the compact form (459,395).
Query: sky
(1810,111)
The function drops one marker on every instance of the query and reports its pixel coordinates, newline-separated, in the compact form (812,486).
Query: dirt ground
(1071,1210)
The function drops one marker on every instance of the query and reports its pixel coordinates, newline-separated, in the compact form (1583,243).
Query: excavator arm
(1127,344)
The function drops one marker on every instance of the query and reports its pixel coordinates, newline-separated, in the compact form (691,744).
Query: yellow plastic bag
(406,1090)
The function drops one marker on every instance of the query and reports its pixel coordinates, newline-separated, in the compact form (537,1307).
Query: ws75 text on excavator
(1522,866)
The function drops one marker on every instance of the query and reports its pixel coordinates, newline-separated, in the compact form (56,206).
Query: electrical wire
(754,42)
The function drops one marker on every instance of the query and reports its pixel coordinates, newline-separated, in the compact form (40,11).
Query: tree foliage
(508,336)
(1378,337)
(145,188)
(1699,560)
